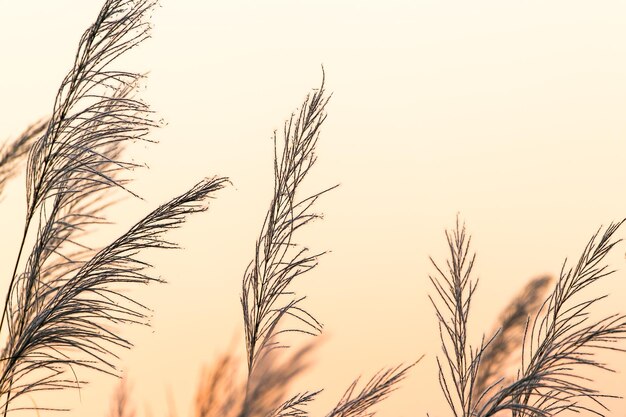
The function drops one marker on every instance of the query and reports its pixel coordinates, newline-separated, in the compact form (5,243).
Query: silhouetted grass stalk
(63,300)
(560,339)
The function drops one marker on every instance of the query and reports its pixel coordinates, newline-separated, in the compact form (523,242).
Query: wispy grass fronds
(562,342)
(278,260)
(359,403)
(120,407)
(506,346)
(70,169)
(14,152)
(222,392)
(90,115)
(72,324)
(76,160)
(74,207)
(295,406)
(458,370)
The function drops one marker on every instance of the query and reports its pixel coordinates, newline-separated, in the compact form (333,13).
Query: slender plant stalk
(70,166)
(266,296)
(458,370)
(64,299)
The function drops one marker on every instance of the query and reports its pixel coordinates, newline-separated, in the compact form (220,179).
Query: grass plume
(355,403)
(278,260)
(563,340)
(267,299)
(455,288)
(74,314)
(63,302)
(558,338)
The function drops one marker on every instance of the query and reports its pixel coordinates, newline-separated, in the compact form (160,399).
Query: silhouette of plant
(558,338)
(268,301)
(63,302)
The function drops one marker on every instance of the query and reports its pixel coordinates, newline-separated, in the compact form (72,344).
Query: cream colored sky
(511,113)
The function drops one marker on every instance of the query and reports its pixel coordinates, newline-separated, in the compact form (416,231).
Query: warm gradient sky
(511,113)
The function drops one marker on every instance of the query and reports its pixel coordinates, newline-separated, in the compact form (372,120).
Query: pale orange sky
(510,113)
